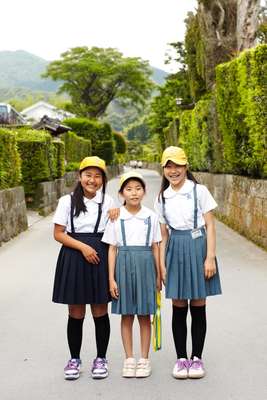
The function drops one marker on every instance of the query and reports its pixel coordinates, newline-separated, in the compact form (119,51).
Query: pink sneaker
(196,368)
(72,369)
(180,369)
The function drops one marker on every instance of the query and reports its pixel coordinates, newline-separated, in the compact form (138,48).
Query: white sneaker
(72,369)
(129,367)
(143,369)
(196,368)
(180,369)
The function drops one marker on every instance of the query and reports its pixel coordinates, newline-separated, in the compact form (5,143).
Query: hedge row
(100,135)
(10,164)
(241,95)
(227,132)
(76,148)
(42,158)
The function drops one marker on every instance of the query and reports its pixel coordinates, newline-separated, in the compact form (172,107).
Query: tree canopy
(94,77)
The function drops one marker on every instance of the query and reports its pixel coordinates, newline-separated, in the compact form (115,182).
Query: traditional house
(40,109)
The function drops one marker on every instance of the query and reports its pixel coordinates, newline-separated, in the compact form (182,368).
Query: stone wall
(242,202)
(13,213)
(48,193)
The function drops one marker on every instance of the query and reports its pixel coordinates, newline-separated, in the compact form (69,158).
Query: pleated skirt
(185,259)
(136,279)
(76,280)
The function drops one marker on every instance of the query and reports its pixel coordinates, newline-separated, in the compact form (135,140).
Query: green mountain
(22,70)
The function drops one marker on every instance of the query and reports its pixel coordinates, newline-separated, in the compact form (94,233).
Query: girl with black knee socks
(187,256)
(82,267)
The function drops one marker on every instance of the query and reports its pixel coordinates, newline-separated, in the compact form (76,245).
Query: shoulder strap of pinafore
(147,235)
(98,217)
(71,214)
(195,205)
(123,232)
(148,230)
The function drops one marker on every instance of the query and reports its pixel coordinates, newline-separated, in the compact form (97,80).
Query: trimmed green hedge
(120,143)
(241,95)
(10,165)
(38,158)
(195,136)
(100,135)
(59,158)
(227,132)
(76,148)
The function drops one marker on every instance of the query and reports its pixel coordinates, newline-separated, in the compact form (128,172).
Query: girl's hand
(209,267)
(159,283)
(113,288)
(163,274)
(113,213)
(90,254)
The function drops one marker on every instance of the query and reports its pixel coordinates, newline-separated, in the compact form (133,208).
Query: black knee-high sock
(75,333)
(198,329)
(179,330)
(102,333)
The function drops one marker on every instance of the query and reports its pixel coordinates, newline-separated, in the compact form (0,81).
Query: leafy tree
(95,77)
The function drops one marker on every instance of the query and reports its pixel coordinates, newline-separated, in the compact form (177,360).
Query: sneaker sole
(196,377)
(102,376)
(71,377)
(180,377)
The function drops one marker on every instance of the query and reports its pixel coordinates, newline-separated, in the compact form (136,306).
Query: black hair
(165,184)
(78,194)
(134,178)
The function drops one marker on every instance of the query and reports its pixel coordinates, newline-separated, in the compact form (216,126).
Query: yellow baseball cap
(174,154)
(129,175)
(93,161)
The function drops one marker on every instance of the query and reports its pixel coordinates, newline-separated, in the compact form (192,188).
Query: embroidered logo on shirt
(146,221)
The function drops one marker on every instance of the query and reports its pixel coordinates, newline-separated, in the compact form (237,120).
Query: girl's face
(175,174)
(133,193)
(91,180)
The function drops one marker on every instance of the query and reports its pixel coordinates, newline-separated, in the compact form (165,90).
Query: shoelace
(182,364)
(100,364)
(72,364)
(196,364)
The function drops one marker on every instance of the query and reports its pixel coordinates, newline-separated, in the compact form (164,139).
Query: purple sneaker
(180,369)
(196,368)
(99,368)
(72,369)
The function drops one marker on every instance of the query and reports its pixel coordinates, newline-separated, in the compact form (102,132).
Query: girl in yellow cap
(187,256)
(82,268)
(134,270)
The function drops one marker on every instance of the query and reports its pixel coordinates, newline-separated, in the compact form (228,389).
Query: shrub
(37,154)
(76,148)
(10,164)
(120,143)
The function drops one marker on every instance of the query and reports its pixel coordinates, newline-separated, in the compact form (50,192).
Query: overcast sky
(138,28)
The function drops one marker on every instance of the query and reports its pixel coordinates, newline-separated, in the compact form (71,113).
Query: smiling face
(133,193)
(175,174)
(91,179)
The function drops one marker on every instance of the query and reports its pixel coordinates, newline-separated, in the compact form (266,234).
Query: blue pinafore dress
(76,280)
(185,257)
(135,275)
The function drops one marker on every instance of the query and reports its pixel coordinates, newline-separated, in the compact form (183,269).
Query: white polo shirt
(136,227)
(85,222)
(179,206)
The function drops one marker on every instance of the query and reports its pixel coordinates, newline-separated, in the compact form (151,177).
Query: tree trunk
(247,23)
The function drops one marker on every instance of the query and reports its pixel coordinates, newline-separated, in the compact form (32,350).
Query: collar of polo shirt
(185,189)
(142,214)
(97,198)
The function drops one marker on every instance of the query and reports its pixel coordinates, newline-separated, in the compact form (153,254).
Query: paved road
(33,347)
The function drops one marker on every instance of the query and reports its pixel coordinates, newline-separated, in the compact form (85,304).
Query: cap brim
(175,161)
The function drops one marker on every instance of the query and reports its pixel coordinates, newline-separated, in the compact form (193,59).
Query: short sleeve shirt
(179,206)
(136,227)
(85,222)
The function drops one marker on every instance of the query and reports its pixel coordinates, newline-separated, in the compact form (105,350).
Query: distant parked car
(139,164)
(133,163)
